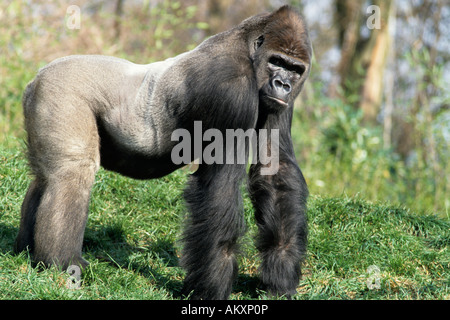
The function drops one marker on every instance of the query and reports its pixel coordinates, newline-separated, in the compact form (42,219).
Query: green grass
(132,244)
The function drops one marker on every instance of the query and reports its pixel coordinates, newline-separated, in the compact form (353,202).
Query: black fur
(210,239)
(280,205)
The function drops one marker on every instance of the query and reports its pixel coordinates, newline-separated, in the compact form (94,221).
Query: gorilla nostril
(278,83)
(287,88)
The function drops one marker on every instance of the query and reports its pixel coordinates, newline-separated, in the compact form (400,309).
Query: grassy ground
(132,243)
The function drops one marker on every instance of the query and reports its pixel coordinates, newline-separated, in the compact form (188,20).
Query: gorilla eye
(300,69)
(259,42)
(279,62)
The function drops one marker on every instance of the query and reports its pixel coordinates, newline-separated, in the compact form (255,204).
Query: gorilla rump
(85,111)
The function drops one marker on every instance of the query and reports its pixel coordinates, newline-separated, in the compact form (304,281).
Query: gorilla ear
(259,42)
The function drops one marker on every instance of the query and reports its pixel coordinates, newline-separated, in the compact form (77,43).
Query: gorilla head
(85,111)
(281,55)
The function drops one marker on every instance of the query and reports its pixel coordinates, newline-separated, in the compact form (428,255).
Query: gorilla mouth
(277,100)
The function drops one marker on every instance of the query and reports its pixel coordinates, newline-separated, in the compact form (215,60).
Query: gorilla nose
(281,88)
(281,85)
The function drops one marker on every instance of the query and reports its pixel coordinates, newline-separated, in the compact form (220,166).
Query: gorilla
(85,111)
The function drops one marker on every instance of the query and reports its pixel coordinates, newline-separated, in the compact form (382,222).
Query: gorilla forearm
(280,211)
(213,231)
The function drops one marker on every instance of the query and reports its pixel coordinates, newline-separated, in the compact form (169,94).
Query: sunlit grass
(132,243)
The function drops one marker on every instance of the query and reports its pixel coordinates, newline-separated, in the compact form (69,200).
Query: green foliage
(431,121)
(14,69)
(29,40)
(339,155)
(161,31)
(343,136)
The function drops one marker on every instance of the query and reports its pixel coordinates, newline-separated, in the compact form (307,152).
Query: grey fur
(61,107)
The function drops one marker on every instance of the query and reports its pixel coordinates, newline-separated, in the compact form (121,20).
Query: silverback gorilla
(85,111)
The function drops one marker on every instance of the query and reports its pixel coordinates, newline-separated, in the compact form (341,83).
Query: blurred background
(373,120)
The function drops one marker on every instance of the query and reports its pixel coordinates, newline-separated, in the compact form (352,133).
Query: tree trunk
(389,84)
(363,60)
(377,49)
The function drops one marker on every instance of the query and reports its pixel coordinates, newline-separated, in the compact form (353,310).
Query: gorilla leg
(61,218)
(214,201)
(279,200)
(30,205)
(54,216)
(63,150)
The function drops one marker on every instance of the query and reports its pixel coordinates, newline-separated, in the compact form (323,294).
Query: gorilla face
(281,56)
(283,75)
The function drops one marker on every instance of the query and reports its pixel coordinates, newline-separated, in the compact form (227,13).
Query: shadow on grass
(109,244)
(8,235)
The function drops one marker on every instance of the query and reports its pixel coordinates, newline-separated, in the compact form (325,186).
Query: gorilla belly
(116,157)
